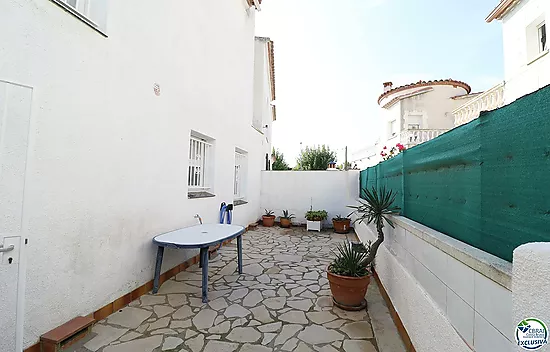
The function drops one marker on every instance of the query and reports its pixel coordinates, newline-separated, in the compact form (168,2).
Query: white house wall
(108,159)
(522,75)
(297,191)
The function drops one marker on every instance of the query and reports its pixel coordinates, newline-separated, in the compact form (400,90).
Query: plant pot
(286,223)
(268,221)
(348,292)
(341,226)
(313,225)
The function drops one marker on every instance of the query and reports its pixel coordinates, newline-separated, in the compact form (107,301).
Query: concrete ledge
(495,268)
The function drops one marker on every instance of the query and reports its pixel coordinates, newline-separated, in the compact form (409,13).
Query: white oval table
(202,237)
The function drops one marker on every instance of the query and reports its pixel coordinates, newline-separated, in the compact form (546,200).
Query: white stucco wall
(438,282)
(530,283)
(108,160)
(522,74)
(296,191)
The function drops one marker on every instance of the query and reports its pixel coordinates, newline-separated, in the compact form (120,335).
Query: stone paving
(281,302)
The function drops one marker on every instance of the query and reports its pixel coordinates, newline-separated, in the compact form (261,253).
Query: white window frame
(81,6)
(82,11)
(199,175)
(542,48)
(391,133)
(240,173)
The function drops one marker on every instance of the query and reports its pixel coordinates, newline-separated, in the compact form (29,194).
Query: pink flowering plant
(386,155)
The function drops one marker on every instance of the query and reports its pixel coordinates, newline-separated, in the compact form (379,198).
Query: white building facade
(413,114)
(526,59)
(120,120)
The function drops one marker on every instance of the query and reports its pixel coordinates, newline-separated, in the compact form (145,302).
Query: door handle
(3,250)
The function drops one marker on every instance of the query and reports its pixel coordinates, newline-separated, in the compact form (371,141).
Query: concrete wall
(296,191)
(531,279)
(524,73)
(108,159)
(438,284)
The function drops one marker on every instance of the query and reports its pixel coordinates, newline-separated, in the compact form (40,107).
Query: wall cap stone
(493,267)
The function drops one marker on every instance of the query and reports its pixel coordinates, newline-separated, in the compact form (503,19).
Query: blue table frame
(182,238)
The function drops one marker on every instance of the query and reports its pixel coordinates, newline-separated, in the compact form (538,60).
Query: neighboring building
(120,120)
(413,114)
(526,59)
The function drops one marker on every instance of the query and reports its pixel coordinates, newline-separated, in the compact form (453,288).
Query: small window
(91,12)
(239,181)
(414,126)
(81,6)
(393,129)
(200,163)
(542,37)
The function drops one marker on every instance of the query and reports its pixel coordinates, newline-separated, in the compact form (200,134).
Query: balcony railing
(489,100)
(414,137)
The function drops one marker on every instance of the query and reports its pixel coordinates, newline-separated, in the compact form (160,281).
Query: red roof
(442,82)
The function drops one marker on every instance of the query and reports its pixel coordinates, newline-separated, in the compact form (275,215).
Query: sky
(332,56)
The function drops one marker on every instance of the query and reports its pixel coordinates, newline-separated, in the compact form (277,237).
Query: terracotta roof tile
(501,10)
(442,82)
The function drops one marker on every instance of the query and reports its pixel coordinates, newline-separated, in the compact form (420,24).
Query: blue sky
(332,57)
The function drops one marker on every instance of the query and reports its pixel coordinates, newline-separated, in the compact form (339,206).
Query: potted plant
(268,219)
(349,272)
(314,219)
(286,219)
(341,224)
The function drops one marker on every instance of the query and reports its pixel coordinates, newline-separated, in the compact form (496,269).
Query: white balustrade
(489,100)
(417,136)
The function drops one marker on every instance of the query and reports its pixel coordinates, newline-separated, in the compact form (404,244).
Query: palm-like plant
(376,207)
(286,215)
(350,262)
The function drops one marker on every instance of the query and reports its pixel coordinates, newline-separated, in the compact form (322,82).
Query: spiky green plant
(339,218)
(350,262)
(269,212)
(286,215)
(376,207)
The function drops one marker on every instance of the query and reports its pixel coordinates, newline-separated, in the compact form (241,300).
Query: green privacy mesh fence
(484,183)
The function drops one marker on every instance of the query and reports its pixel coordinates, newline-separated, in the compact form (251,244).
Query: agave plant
(286,215)
(339,218)
(269,212)
(350,262)
(376,207)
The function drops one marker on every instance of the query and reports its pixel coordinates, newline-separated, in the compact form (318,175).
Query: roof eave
(501,10)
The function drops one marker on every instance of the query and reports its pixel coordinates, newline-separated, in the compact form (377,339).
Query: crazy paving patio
(281,302)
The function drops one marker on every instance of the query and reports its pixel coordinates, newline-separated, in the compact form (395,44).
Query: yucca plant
(376,207)
(349,262)
(286,215)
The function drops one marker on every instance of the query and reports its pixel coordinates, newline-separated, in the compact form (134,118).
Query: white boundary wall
(531,282)
(296,191)
(438,282)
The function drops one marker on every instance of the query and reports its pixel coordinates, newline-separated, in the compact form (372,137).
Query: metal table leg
(240,253)
(160,254)
(204,263)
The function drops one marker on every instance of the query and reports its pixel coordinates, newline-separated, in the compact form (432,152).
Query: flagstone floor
(281,302)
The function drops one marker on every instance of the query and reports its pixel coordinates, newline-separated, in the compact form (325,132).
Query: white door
(15,113)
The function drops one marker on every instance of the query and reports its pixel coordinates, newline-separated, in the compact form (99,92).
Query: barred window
(239,181)
(200,164)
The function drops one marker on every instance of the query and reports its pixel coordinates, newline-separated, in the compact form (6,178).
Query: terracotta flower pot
(268,221)
(286,223)
(341,226)
(348,292)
